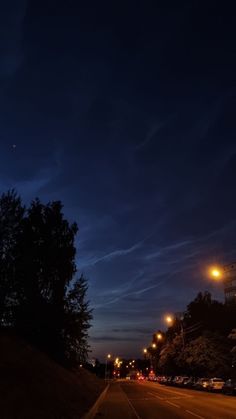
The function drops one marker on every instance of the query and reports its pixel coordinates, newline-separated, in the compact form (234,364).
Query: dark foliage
(200,342)
(11,229)
(77,322)
(39,299)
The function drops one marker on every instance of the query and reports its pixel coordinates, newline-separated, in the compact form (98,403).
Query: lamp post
(226,274)
(216,273)
(107,357)
(170,321)
(154,346)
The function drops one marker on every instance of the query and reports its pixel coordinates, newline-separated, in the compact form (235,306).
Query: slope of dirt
(32,386)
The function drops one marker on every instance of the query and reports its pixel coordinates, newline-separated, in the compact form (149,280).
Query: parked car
(189,382)
(180,381)
(185,380)
(152,377)
(169,381)
(202,384)
(175,380)
(229,386)
(161,379)
(215,384)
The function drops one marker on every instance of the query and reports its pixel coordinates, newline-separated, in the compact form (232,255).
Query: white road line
(176,392)
(155,395)
(194,414)
(141,399)
(132,407)
(173,404)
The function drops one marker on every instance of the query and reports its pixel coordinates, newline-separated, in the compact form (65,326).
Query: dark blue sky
(126,112)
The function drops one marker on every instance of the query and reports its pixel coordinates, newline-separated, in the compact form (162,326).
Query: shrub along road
(151,401)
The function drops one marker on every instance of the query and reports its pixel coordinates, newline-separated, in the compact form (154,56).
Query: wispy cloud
(154,129)
(124,295)
(138,330)
(112,338)
(30,188)
(151,133)
(167,249)
(111,255)
(123,288)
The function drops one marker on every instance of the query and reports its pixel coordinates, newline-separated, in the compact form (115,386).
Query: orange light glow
(169,319)
(216,273)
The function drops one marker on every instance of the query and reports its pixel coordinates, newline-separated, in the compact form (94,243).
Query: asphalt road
(145,400)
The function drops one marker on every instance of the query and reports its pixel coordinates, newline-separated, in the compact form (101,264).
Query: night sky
(125,111)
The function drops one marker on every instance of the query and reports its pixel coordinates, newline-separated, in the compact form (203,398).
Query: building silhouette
(229,278)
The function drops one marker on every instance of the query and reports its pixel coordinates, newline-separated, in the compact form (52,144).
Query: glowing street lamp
(107,358)
(169,319)
(215,273)
(154,346)
(145,350)
(159,336)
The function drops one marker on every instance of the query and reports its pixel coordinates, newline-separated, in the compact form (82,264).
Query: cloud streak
(112,255)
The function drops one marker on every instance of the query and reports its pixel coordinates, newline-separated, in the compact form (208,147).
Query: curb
(92,412)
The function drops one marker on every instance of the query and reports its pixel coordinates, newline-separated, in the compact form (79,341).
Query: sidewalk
(115,405)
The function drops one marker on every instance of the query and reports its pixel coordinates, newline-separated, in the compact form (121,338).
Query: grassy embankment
(32,386)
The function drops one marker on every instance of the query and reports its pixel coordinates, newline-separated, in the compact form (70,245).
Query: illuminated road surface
(147,400)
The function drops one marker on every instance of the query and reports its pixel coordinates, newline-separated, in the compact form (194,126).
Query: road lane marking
(176,392)
(173,404)
(141,399)
(155,395)
(172,398)
(132,407)
(194,414)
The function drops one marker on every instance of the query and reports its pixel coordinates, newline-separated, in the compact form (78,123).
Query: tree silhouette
(77,322)
(208,348)
(39,299)
(11,227)
(207,355)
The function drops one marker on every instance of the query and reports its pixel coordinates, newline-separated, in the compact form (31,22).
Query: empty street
(151,401)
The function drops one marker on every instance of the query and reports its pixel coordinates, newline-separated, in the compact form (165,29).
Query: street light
(153,358)
(159,336)
(215,273)
(145,350)
(107,357)
(170,320)
(225,275)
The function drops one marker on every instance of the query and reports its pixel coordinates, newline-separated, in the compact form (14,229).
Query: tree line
(41,299)
(199,343)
